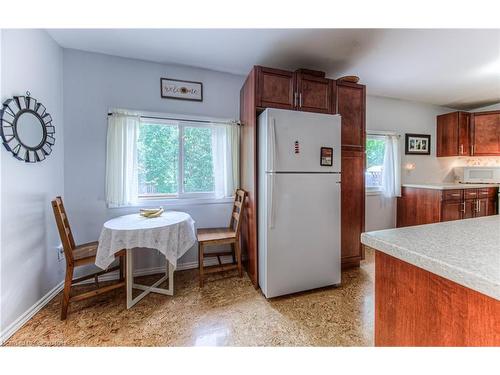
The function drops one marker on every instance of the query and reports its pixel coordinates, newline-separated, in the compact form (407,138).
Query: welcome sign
(184,90)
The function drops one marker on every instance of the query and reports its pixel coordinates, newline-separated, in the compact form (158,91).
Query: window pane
(375,149)
(198,165)
(158,166)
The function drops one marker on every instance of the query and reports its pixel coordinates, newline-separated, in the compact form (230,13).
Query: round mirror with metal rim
(26,129)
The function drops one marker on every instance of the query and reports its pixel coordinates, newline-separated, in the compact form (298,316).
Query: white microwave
(474,175)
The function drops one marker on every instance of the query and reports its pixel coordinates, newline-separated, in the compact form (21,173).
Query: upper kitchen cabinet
(275,88)
(485,131)
(452,134)
(315,93)
(466,134)
(351,98)
(303,90)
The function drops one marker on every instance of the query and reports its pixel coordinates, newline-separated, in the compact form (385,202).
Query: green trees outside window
(158,150)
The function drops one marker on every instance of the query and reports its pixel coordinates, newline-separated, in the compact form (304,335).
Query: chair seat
(215,234)
(86,250)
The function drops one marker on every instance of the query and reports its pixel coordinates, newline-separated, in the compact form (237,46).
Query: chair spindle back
(63,228)
(237,212)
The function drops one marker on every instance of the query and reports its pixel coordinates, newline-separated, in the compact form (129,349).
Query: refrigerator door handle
(272,143)
(271,202)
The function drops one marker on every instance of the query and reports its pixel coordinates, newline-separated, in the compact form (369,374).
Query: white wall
(492,107)
(93,83)
(402,117)
(32,61)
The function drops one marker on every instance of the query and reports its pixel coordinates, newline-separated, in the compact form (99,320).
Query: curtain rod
(183,120)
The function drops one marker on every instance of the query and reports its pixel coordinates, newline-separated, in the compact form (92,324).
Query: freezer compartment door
(303,232)
(294,140)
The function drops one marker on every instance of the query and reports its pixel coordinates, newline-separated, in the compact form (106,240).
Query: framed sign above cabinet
(26,129)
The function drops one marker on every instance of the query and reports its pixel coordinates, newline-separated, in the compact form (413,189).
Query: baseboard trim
(153,270)
(28,314)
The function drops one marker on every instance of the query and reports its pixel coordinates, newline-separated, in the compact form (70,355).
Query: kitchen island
(438,284)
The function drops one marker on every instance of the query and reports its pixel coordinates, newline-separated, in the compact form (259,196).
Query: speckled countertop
(464,251)
(449,185)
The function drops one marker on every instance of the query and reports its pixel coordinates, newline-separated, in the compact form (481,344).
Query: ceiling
(457,68)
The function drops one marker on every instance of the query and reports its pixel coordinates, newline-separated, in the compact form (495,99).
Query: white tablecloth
(172,234)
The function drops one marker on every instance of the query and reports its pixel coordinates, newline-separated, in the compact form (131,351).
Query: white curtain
(391,173)
(226,162)
(121,160)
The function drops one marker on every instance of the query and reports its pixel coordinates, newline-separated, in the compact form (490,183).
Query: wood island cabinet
(468,134)
(418,206)
(415,307)
(305,90)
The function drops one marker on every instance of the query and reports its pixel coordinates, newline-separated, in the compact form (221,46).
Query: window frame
(375,190)
(181,194)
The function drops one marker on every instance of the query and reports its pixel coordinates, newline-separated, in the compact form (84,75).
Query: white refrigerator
(299,201)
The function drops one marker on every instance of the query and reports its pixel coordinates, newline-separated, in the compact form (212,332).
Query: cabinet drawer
(486,192)
(452,195)
(470,193)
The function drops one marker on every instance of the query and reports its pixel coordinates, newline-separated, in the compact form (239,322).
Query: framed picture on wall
(417,144)
(182,90)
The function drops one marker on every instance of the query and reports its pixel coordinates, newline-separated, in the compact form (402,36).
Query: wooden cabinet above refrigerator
(302,90)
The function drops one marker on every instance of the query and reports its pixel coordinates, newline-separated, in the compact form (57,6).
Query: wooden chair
(79,256)
(221,236)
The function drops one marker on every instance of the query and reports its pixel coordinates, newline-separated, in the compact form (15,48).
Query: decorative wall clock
(26,128)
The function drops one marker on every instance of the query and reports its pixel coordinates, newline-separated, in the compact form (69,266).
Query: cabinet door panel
(315,93)
(351,106)
(481,207)
(451,211)
(491,208)
(452,134)
(275,88)
(352,204)
(463,133)
(486,133)
(447,135)
(470,209)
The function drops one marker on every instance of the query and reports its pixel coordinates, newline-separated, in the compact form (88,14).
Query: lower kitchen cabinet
(452,210)
(418,206)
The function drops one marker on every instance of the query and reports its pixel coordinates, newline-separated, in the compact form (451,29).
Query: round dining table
(172,234)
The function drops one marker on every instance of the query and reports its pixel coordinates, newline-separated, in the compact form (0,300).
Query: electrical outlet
(60,253)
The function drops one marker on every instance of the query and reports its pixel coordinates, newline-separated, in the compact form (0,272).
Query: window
(175,160)
(150,158)
(383,164)
(375,151)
